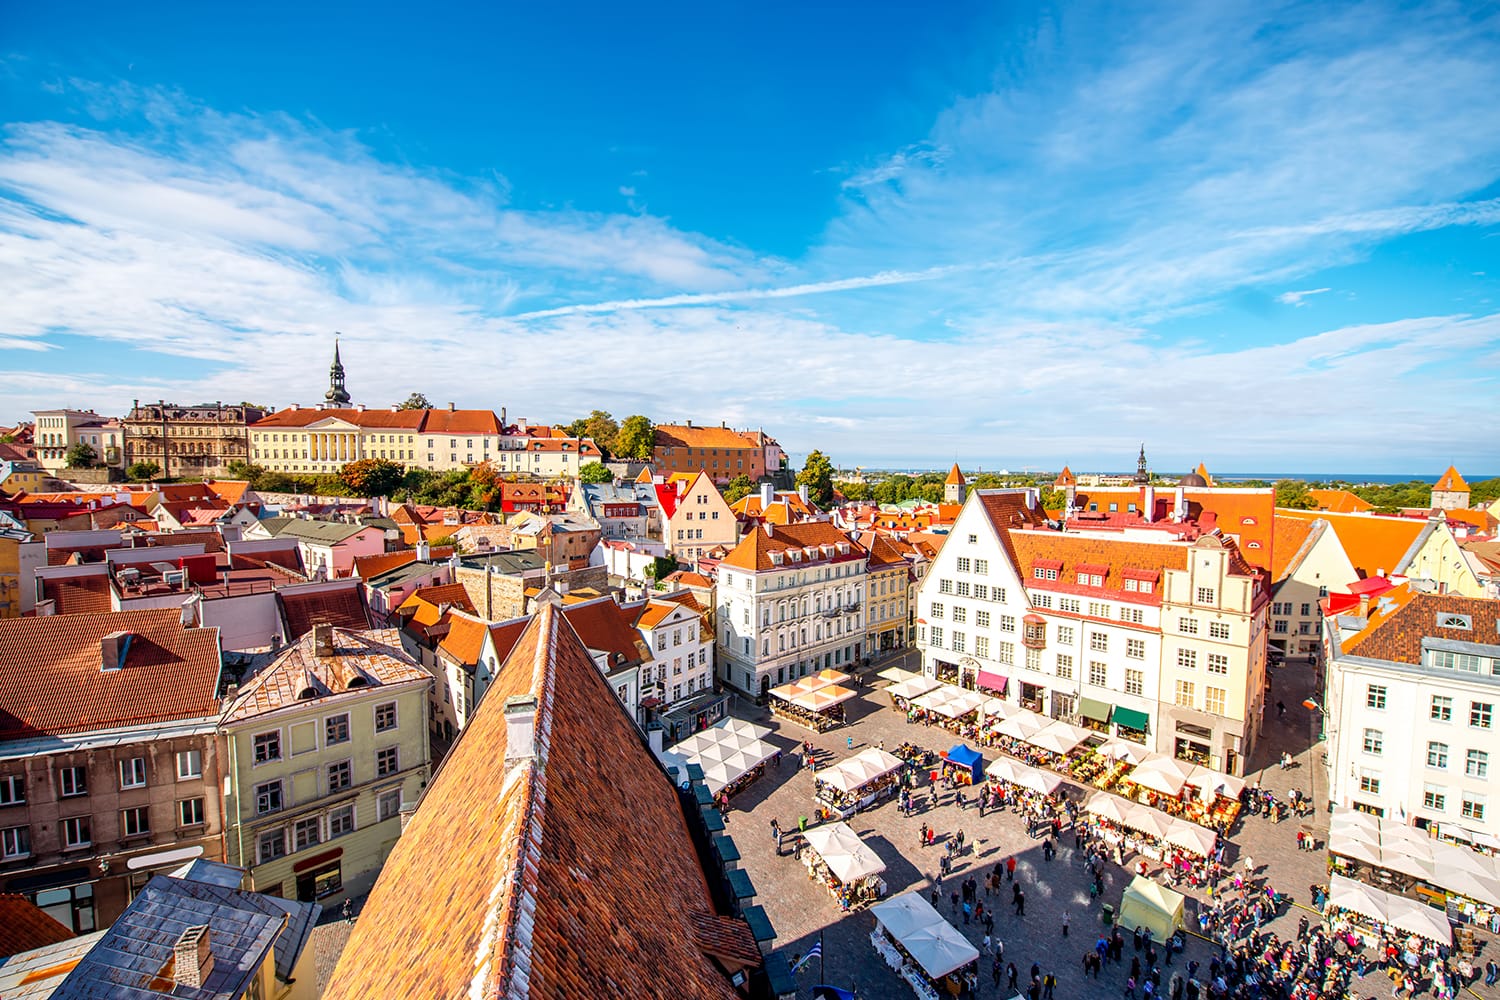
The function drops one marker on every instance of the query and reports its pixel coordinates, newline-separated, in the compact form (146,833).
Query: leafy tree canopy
(372,477)
(416,401)
(636,438)
(600,426)
(142,472)
(594,472)
(817,476)
(738,488)
(82,456)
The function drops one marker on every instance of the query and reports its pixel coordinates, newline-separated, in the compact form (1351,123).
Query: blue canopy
(968,759)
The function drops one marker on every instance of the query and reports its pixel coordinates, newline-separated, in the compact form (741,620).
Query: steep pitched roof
(955,477)
(465,638)
(79,595)
(1452,482)
(1396,633)
(300,675)
(425,603)
(547,897)
(23,926)
(53,681)
(682,436)
(1339,501)
(1070,551)
(1294,538)
(1372,543)
(607,628)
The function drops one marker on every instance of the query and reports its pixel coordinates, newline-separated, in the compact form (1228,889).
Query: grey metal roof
(507,563)
(317,532)
(133,959)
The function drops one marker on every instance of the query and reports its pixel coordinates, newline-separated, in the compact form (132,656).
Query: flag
(813,952)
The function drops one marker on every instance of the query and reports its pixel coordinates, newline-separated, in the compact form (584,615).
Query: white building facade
(790,604)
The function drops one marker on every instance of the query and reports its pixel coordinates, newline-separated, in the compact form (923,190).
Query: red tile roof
(465,639)
(425,603)
(23,926)
(407,420)
(551,896)
(79,595)
(1068,552)
(343,606)
(1451,482)
(682,436)
(53,681)
(607,628)
(1373,543)
(1339,501)
(955,477)
(1291,534)
(461,422)
(754,550)
(1396,634)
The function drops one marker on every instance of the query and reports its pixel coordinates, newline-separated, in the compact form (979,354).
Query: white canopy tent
(913,687)
(934,943)
(1058,737)
(1190,837)
(1418,918)
(1161,773)
(1110,807)
(998,708)
(1024,775)
(1350,894)
(1130,753)
(1024,724)
(726,752)
(864,767)
(848,857)
(1396,847)
(896,675)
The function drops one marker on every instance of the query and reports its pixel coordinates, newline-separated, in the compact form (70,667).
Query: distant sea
(1357,478)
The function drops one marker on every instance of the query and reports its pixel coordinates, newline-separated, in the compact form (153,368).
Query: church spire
(337,395)
(1141,475)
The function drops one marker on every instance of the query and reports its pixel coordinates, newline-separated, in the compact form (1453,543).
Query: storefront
(993,684)
(1131,724)
(1032,697)
(320,876)
(1192,743)
(66,895)
(693,715)
(1094,715)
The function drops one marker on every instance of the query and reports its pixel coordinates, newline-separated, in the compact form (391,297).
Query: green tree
(601,427)
(416,401)
(817,476)
(82,456)
(1486,492)
(738,488)
(595,472)
(661,567)
(1292,494)
(142,472)
(251,474)
(855,492)
(372,477)
(636,438)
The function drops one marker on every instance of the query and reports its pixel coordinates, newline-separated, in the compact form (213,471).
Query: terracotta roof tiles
(1073,550)
(23,926)
(53,679)
(754,550)
(342,606)
(1396,634)
(548,897)
(1291,534)
(1339,501)
(682,436)
(79,595)
(465,638)
(1452,482)
(362,659)
(1373,543)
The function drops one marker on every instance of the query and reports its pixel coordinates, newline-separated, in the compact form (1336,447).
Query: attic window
(1463,622)
(796,554)
(776,558)
(1247,520)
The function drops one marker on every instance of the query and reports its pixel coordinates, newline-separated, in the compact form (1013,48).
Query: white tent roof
(1024,775)
(1058,737)
(848,857)
(823,698)
(938,948)
(1190,837)
(1348,894)
(1161,773)
(1110,807)
(725,751)
(1023,724)
(1418,918)
(912,687)
(993,707)
(861,769)
(1129,752)
(896,675)
(1216,782)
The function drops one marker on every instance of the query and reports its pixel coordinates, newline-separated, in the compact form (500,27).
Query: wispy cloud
(1300,298)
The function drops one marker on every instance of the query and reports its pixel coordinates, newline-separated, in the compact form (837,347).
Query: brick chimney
(323,640)
(113,650)
(192,960)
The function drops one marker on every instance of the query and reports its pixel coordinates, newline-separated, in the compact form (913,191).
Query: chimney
(502,418)
(424,551)
(192,961)
(114,649)
(802,492)
(1179,506)
(450,407)
(1148,502)
(724,425)
(1364,605)
(690,424)
(395,408)
(323,640)
(359,407)
(767,494)
(293,406)
(520,727)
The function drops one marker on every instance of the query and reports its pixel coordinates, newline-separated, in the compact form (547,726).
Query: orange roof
(1396,633)
(79,595)
(549,897)
(23,926)
(1065,478)
(682,436)
(231,491)
(1452,482)
(407,420)
(1069,551)
(655,611)
(754,550)
(606,627)
(361,659)
(786,507)
(1202,470)
(645,477)
(1373,543)
(53,681)
(687,578)
(461,422)
(1483,520)
(425,602)
(465,638)
(343,605)
(955,477)
(1291,534)
(1339,501)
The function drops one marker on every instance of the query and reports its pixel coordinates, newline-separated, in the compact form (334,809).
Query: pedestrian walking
(1021,905)
(1010,867)
(1066,918)
(1280,710)
(348,910)
(1010,976)
(1049,983)
(849,742)
(775,830)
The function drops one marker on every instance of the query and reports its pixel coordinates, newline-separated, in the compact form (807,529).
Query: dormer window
(1248,521)
(1461,622)
(777,558)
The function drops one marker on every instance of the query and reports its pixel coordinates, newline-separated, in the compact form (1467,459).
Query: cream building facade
(698,519)
(323,749)
(57,431)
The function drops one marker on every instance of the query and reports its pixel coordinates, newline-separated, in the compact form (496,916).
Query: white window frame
(132,773)
(395,717)
(193,759)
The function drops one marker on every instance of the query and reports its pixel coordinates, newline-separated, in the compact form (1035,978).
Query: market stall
(902,692)
(732,754)
(858,782)
(1393,856)
(896,675)
(816,702)
(1146,904)
(845,865)
(1058,737)
(923,948)
(965,764)
(1025,776)
(1376,914)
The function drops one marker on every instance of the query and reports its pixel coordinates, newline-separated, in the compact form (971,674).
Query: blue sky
(1263,236)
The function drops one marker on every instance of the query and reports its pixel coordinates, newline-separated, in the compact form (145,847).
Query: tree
(372,477)
(1292,494)
(817,476)
(252,474)
(1485,492)
(661,567)
(738,488)
(82,456)
(855,492)
(636,438)
(595,472)
(142,472)
(599,426)
(416,401)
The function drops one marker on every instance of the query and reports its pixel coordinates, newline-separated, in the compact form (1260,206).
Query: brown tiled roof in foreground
(566,874)
(52,678)
(1397,634)
(23,926)
(342,606)
(301,676)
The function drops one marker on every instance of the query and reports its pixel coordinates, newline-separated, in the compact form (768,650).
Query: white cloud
(1300,298)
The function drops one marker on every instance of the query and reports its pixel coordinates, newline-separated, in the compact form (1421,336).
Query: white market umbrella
(1130,753)
(1107,806)
(1022,725)
(1058,737)
(848,857)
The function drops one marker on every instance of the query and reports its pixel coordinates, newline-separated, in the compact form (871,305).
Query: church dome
(1193,479)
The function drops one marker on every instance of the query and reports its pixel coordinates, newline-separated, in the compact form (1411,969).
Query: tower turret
(337,395)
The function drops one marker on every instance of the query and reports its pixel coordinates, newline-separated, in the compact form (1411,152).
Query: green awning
(1129,718)
(1096,710)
